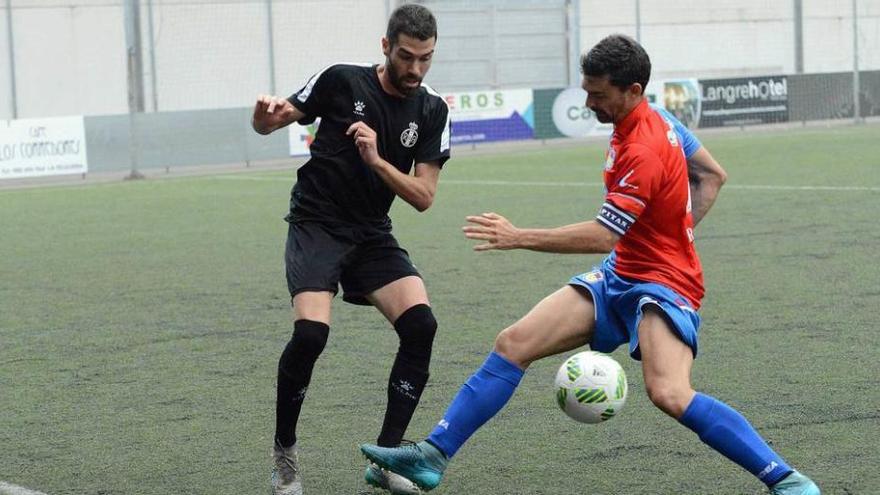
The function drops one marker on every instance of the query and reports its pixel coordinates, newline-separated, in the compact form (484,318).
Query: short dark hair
(621,58)
(412,20)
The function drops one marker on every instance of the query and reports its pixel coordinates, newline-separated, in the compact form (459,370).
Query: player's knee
(307,343)
(416,328)
(510,343)
(669,397)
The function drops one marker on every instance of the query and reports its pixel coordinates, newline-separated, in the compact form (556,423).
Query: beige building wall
(729,38)
(70,55)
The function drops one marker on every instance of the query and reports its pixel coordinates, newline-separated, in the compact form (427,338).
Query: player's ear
(636,89)
(386,46)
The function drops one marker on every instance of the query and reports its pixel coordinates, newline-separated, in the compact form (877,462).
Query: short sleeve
(313,98)
(636,176)
(433,145)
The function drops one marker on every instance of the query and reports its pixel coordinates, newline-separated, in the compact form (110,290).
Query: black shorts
(320,257)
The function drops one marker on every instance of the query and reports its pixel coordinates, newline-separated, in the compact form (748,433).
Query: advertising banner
(477,117)
(494,115)
(42,147)
(681,98)
(563,113)
(300,137)
(743,101)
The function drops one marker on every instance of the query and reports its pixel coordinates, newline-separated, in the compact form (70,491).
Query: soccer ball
(590,387)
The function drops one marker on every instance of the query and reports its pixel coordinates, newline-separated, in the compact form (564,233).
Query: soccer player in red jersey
(646,293)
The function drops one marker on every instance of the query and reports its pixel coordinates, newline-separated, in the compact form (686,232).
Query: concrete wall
(728,38)
(174,139)
(70,56)
(500,44)
(5,72)
(215,55)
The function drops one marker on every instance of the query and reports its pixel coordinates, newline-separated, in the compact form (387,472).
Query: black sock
(294,374)
(405,386)
(409,374)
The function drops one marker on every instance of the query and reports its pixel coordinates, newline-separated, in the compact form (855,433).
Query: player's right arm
(706,176)
(498,233)
(637,173)
(272,113)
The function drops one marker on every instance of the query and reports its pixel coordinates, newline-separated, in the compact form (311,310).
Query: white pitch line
(519,183)
(803,188)
(585,184)
(10,489)
(250,177)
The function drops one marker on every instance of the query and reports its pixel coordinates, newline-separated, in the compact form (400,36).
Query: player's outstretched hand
(365,140)
(271,112)
(496,230)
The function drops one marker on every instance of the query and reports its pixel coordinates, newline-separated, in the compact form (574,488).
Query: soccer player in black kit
(378,124)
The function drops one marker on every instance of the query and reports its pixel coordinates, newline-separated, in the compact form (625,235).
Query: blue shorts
(619,302)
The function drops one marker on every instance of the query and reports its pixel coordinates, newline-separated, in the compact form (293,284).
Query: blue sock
(727,431)
(480,398)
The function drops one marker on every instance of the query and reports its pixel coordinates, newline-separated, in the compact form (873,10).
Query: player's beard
(602,116)
(398,80)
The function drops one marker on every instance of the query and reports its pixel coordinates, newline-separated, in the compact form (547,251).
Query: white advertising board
(42,147)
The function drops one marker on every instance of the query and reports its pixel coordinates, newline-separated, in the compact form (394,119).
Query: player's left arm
(706,176)
(418,189)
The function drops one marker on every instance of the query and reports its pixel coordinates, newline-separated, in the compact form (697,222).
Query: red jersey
(648,204)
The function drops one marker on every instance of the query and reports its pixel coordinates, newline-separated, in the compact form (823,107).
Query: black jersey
(335,185)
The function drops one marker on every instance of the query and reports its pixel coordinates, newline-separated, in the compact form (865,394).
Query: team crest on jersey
(609,158)
(671,136)
(409,136)
(359,107)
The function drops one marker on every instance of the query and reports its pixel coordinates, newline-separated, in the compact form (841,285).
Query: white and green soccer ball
(591,387)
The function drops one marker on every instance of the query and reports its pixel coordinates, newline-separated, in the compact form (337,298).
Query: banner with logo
(743,101)
(563,113)
(681,98)
(300,137)
(42,147)
(494,115)
(477,116)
